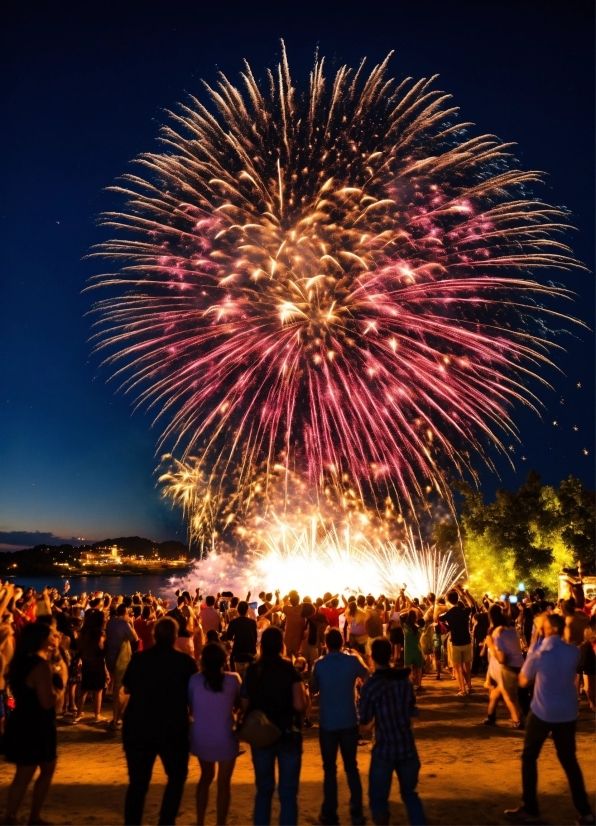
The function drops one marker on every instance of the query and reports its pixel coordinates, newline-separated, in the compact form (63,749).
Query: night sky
(84,89)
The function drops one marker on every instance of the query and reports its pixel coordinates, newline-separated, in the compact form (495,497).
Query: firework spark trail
(337,278)
(317,559)
(422,571)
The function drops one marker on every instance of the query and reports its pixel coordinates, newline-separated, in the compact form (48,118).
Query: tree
(523,536)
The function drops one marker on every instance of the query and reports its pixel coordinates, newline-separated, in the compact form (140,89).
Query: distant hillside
(43,558)
(138,546)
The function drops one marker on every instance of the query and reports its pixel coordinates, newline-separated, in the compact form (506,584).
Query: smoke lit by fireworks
(333,280)
(318,559)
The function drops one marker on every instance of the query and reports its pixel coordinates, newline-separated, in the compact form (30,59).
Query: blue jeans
(288,752)
(346,739)
(379,787)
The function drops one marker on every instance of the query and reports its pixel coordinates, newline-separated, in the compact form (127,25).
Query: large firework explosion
(337,280)
(275,495)
(317,558)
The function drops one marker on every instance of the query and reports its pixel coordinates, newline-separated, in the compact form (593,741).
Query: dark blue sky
(83,91)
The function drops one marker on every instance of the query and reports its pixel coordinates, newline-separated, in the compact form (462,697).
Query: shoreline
(112,572)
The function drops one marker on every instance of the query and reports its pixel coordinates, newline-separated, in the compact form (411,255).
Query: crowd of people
(228,673)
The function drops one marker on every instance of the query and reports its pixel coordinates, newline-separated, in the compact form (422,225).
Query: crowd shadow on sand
(103,804)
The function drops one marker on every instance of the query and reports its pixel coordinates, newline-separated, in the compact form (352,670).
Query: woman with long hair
(413,656)
(30,740)
(213,695)
(93,662)
(356,617)
(505,660)
(273,687)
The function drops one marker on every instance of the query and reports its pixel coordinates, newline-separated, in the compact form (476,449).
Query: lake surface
(161,585)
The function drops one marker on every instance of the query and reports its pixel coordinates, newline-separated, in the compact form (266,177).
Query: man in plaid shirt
(388,702)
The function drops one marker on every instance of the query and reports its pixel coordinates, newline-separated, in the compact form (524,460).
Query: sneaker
(115,725)
(461,694)
(470,691)
(99,719)
(519,815)
(491,720)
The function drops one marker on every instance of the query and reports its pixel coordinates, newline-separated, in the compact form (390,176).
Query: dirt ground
(469,773)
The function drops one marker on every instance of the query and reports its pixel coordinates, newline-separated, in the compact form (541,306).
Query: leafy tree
(523,536)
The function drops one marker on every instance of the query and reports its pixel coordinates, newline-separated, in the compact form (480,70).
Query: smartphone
(513,600)
(253,605)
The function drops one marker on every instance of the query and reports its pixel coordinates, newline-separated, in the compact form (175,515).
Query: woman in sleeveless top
(213,695)
(93,663)
(30,739)
(505,688)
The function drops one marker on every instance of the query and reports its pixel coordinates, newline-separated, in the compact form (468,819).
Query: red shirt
(144,632)
(333,615)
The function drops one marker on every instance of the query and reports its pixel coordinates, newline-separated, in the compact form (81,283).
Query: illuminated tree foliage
(526,536)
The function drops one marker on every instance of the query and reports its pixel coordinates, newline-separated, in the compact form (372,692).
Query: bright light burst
(422,571)
(334,278)
(316,560)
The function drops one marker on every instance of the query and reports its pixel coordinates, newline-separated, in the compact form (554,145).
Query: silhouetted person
(552,667)
(156,722)
(334,679)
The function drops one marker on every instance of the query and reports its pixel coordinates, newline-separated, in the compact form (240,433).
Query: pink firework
(337,281)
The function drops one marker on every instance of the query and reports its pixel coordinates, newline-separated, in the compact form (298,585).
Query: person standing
(210,616)
(184,640)
(213,695)
(332,611)
(552,668)
(316,622)
(120,635)
(30,738)
(356,617)
(93,663)
(388,703)
(295,624)
(273,686)
(156,721)
(334,680)
(242,633)
(457,619)
(413,656)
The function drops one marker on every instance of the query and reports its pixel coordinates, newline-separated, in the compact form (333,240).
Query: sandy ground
(469,773)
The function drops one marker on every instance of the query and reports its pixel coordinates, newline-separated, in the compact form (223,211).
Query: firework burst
(336,281)
(320,557)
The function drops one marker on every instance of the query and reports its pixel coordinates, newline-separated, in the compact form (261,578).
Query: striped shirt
(388,698)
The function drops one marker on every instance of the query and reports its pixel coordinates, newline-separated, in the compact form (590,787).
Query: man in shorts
(120,634)
(457,620)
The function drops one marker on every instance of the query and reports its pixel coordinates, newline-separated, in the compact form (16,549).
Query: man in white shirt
(552,668)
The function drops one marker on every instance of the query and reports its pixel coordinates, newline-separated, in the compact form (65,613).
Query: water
(218,572)
(161,585)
